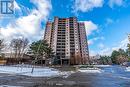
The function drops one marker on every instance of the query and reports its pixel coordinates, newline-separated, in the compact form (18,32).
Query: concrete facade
(67,37)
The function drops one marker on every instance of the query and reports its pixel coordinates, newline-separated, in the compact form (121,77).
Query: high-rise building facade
(67,37)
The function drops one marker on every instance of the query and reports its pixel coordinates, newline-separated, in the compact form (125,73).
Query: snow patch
(128,69)
(38,71)
(102,65)
(65,74)
(9,86)
(90,70)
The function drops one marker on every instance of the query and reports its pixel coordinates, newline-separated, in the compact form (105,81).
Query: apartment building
(67,37)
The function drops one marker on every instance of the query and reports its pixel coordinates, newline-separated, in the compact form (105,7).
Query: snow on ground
(90,70)
(38,71)
(102,65)
(128,69)
(9,86)
(65,74)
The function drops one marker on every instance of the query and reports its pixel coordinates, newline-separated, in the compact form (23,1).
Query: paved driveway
(113,76)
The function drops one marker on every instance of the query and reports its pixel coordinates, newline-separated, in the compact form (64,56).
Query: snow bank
(90,70)
(38,71)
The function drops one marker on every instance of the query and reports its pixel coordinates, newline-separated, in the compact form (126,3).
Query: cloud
(122,45)
(86,5)
(109,21)
(92,53)
(91,41)
(113,3)
(101,45)
(28,26)
(108,50)
(90,27)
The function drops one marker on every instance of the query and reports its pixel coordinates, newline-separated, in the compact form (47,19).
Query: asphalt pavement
(112,76)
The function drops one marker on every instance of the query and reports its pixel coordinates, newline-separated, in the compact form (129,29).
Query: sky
(107,22)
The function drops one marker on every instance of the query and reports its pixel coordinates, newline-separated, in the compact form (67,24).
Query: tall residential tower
(67,37)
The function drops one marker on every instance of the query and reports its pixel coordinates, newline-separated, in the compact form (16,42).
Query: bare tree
(14,44)
(19,46)
(2,45)
(23,47)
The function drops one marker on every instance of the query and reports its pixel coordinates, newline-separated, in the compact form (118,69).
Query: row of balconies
(58,49)
(61,43)
(61,32)
(60,29)
(60,46)
(60,38)
(60,35)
